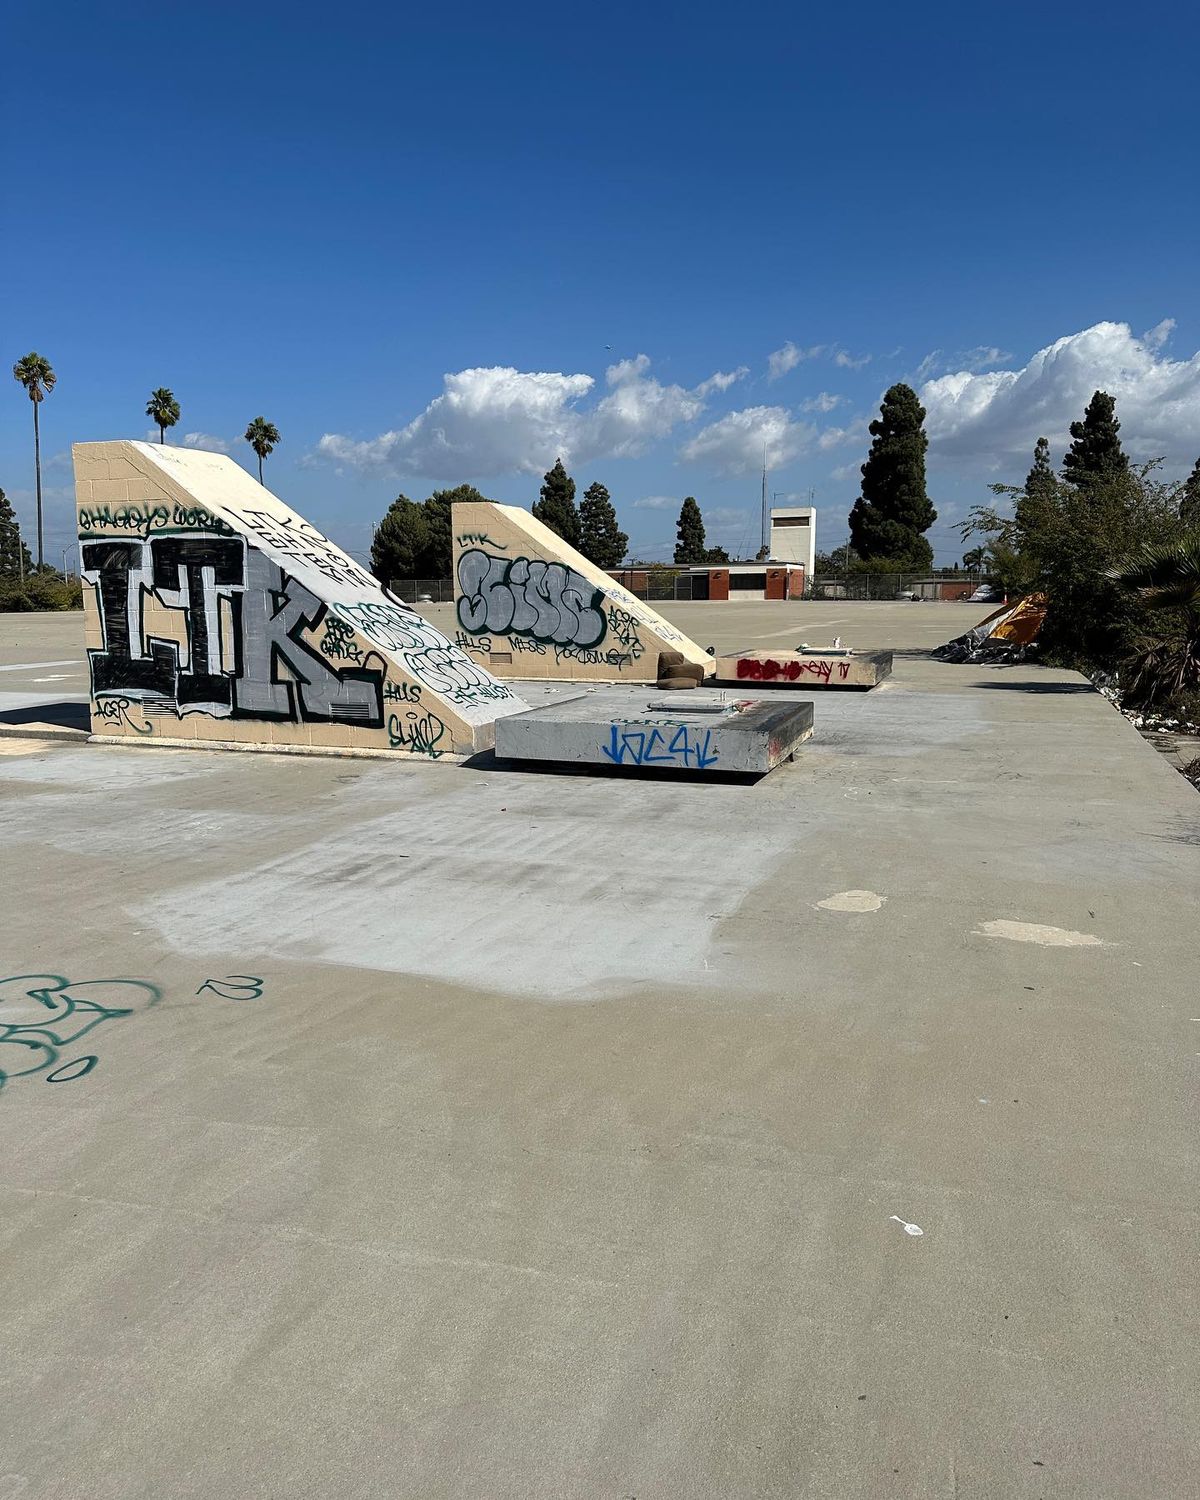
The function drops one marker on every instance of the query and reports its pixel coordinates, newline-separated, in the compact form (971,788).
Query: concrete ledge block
(805,669)
(658,732)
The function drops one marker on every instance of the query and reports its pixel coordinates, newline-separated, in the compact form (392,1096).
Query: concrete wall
(530,606)
(794,536)
(213,612)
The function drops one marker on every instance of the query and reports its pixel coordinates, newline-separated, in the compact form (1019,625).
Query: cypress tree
(556,508)
(1039,498)
(689,547)
(1095,452)
(438,559)
(890,517)
(13,551)
(400,542)
(1189,504)
(600,538)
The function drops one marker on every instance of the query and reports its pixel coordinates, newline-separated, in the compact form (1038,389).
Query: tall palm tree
(163,410)
(39,379)
(1166,579)
(262,437)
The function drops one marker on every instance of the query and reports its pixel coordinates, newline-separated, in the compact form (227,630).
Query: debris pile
(1008,634)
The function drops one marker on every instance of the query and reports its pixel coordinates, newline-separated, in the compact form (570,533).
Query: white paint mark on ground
(813,628)
(33,666)
(913,1229)
(1035,932)
(852,901)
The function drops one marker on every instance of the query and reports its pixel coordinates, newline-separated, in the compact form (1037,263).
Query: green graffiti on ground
(41,1015)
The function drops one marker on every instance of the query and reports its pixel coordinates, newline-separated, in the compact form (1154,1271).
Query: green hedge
(40,591)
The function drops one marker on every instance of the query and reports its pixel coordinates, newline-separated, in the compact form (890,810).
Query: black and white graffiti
(520,596)
(274,672)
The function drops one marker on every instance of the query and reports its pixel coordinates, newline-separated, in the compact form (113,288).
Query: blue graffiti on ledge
(651,747)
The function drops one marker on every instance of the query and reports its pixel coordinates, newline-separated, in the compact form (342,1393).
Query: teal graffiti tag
(235,987)
(42,1014)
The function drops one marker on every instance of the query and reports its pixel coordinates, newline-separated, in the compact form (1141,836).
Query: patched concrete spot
(852,901)
(1035,932)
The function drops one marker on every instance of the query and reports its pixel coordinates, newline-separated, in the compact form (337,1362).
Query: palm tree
(36,375)
(163,410)
(262,437)
(1166,578)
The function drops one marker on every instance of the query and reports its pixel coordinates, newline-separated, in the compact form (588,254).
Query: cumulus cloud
(995,416)
(846,361)
(736,443)
(822,402)
(498,420)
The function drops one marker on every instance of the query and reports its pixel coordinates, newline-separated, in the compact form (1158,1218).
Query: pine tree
(1038,501)
(556,508)
(15,561)
(889,519)
(1095,452)
(689,546)
(400,541)
(438,558)
(1189,504)
(600,539)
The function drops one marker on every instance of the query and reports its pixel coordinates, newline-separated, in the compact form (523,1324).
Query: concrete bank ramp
(530,606)
(215,614)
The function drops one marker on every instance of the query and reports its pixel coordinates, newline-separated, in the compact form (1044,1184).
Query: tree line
(37,376)
(1115,549)
(415,539)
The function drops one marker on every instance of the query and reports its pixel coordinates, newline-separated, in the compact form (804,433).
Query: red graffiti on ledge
(771,670)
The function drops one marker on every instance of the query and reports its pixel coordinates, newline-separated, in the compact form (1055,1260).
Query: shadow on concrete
(1032,685)
(487,760)
(66,715)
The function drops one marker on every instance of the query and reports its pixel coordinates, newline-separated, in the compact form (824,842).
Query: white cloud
(789,356)
(846,471)
(981,357)
(995,416)
(657,502)
(207,441)
(498,420)
(823,402)
(836,437)
(783,360)
(721,380)
(736,443)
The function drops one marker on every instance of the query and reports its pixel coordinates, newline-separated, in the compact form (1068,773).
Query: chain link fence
(945,587)
(423,590)
(664,585)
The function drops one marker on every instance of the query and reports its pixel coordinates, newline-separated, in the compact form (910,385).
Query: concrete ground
(480,1133)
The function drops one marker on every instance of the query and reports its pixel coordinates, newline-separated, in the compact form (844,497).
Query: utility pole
(766,546)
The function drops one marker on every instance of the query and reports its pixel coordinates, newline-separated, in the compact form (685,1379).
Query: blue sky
(445,245)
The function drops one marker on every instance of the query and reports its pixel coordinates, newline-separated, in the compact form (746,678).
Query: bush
(45,590)
(13,598)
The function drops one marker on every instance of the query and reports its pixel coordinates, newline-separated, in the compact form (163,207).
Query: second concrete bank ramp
(530,606)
